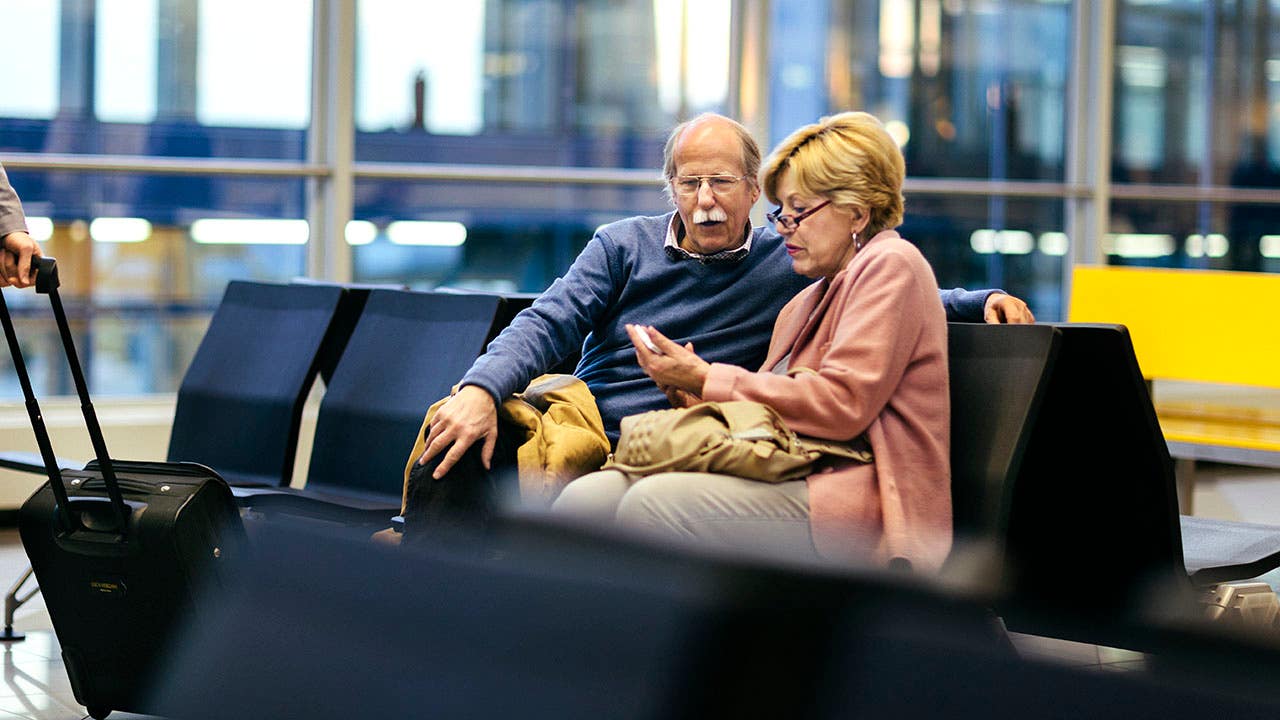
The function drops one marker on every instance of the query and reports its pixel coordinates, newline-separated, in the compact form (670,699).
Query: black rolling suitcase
(124,552)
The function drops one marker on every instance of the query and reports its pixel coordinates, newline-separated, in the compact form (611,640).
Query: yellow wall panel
(1198,325)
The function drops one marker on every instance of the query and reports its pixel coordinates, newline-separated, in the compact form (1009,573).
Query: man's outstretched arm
(992,306)
(538,338)
(1002,308)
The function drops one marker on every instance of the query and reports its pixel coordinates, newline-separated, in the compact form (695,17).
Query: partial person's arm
(17,248)
(470,415)
(1002,308)
(538,338)
(990,305)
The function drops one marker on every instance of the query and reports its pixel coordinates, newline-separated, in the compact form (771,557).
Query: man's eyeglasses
(689,185)
(791,222)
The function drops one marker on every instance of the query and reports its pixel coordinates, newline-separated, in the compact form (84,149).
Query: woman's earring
(856,245)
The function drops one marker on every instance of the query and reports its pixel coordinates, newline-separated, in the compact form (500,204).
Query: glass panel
(961,105)
(1188,72)
(29,73)
(537,82)
(1219,236)
(125,349)
(1016,245)
(167,77)
(144,259)
(1163,81)
(236,87)
(491,236)
(125,64)
(1253,233)
(396,65)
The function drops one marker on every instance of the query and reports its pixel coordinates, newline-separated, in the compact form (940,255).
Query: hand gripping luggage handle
(47,284)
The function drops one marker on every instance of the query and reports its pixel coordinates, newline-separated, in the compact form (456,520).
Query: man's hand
(468,416)
(1001,308)
(16,260)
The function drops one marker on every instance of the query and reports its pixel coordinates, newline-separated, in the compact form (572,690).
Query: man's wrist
(492,396)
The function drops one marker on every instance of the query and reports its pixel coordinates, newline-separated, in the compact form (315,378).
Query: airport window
(126,45)
(415,74)
(1017,244)
(521,83)
(251,74)
(491,138)
(1195,106)
(959,104)
(495,237)
(29,73)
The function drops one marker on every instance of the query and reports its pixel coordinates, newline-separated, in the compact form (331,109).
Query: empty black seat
(240,404)
(239,407)
(998,376)
(407,350)
(1094,542)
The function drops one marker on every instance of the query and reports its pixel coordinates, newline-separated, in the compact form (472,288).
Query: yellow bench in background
(1218,330)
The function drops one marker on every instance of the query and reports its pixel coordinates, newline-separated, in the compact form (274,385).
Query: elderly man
(702,274)
(17,248)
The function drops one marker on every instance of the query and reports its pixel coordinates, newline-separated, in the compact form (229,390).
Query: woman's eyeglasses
(791,222)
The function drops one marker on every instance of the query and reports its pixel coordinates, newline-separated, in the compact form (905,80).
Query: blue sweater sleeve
(549,330)
(965,305)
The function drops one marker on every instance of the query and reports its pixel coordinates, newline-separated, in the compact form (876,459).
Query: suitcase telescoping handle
(33,411)
(47,284)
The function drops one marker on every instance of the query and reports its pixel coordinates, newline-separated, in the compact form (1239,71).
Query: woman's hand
(673,368)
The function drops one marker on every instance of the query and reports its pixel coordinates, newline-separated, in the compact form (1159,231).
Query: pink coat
(877,336)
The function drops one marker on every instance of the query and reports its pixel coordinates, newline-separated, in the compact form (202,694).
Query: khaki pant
(704,508)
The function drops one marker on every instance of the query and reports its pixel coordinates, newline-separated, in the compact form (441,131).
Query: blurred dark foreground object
(562,622)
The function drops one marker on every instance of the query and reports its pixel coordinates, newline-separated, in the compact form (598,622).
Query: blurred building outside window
(491,137)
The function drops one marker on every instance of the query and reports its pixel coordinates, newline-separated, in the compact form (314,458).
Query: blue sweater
(726,310)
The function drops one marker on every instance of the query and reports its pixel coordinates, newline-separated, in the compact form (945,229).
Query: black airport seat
(998,376)
(240,404)
(407,350)
(239,407)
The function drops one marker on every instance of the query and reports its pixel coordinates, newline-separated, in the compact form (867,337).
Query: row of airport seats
(1064,492)
(1063,488)
(384,354)
(1083,507)
(1065,509)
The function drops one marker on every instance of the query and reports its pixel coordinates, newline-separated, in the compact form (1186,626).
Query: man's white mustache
(713,215)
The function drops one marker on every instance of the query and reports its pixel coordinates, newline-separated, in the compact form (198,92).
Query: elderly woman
(861,353)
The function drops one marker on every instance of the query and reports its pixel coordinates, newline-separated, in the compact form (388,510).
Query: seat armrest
(30,462)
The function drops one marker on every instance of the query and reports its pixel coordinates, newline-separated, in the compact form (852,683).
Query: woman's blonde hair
(849,159)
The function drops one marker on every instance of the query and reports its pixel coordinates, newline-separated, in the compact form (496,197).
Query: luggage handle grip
(46,275)
(96,514)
